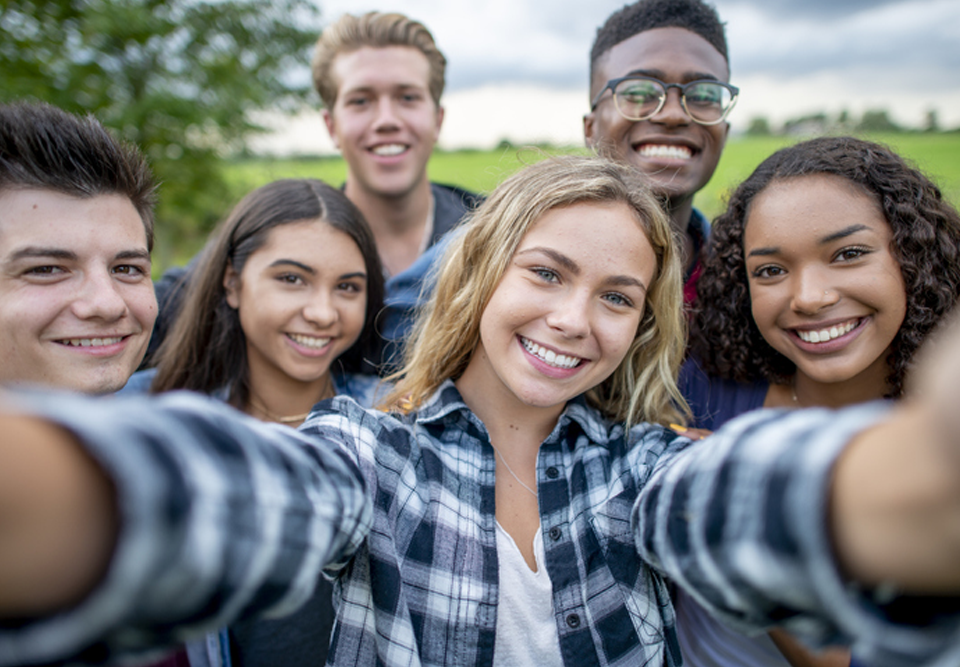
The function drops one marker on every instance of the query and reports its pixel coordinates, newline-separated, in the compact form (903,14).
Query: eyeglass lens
(639,99)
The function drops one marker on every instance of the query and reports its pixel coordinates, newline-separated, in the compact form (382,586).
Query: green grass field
(938,155)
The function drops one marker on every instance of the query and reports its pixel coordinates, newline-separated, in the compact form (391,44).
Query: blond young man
(380,77)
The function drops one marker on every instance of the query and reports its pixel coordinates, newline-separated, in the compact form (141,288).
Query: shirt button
(555,533)
(552,472)
(573,621)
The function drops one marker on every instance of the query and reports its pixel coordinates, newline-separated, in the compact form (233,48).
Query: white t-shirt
(526,627)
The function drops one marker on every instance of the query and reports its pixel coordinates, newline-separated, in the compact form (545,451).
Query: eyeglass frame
(612,84)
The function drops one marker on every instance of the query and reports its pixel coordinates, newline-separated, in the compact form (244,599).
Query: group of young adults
(536,480)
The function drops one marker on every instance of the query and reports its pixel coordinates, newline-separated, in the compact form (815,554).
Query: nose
(570,316)
(99,298)
(321,310)
(812,292)
(386,118)
(672,111)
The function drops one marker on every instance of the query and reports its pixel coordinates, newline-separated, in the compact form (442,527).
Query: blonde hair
(377,30)
(447,331)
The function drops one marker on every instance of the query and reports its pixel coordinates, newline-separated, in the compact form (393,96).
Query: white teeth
(824,335)
(92,342)
(549,356)
(313,342)
(389,149)
(656,150)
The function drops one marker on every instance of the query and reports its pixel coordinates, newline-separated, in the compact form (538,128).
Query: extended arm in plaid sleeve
(220,515)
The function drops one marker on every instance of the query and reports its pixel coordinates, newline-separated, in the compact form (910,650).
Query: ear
(331,124)
(589,129)
(231,285)
(440,114)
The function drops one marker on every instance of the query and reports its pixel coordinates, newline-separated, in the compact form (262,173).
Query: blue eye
(548,275)
(618,299)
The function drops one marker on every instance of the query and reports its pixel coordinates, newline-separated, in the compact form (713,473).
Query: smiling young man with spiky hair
(76,227)
(660,97)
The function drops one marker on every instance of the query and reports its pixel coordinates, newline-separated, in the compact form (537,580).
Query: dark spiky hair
(46,148)
(693,15)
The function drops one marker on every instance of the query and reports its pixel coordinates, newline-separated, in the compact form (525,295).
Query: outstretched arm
(896,493)
(823,521)
(148,520)
(58,518)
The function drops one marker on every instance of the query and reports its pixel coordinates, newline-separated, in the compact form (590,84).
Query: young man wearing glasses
(659,101)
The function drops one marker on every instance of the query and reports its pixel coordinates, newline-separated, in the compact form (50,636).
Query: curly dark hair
(696,16)
(926,243)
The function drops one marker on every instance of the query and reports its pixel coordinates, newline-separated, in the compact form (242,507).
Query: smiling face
(301,298)
(825,288)
(566,310)
(384,121)
(76,302)
(678,155)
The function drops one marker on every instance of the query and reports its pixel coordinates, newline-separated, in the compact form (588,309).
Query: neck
(870,385)
(284,399)
(506,417)
(398,223)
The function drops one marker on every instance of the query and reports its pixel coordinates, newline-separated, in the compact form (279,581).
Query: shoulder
(365,389)
(715,400)
(139,382)
(456,195)
(699,223)
(451,204)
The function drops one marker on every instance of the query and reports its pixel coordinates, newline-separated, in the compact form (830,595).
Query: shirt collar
(447,401)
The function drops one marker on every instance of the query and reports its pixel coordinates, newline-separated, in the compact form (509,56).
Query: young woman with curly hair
(833,262)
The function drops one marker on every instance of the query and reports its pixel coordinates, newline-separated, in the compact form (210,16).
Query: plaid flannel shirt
(223,514)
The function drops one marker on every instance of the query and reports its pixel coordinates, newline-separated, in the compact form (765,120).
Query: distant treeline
(873,120)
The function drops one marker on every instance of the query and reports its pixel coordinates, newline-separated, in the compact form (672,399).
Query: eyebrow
(574,268)
(660,74)
(40,251)
(292,262)
(829,238)
(312,271)
(31,252)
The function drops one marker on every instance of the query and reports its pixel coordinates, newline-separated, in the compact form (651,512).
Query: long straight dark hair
(206,350)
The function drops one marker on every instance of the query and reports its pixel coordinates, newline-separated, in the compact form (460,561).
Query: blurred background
(218,92)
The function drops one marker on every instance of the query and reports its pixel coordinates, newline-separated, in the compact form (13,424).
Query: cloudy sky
(517,69)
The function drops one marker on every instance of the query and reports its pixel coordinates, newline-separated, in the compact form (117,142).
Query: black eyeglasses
(638,97)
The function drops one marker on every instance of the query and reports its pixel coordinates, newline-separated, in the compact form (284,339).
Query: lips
(91,342)
(826,334)
(669,151)
(311,342)
(389,150)
(550,357)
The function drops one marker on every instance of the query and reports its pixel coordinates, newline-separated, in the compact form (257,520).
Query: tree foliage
(179,78)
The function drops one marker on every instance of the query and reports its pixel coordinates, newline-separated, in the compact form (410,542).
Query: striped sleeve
(740,520)
(221,516)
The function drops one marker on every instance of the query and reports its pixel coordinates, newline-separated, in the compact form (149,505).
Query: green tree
(877,120)
(759,127)
(179,78)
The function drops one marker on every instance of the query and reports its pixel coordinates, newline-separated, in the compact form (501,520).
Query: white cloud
(518,68)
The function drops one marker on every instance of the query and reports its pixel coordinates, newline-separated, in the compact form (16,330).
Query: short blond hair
(447,331)
(378,30)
